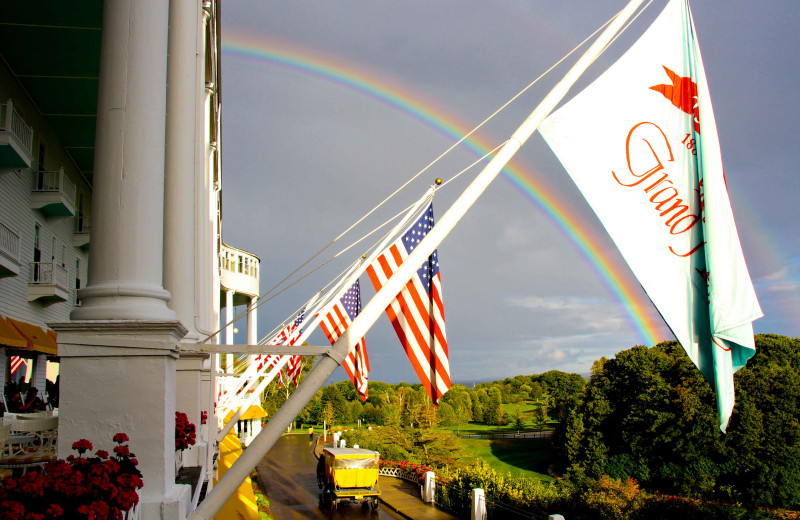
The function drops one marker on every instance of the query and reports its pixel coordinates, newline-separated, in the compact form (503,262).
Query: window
(37,252)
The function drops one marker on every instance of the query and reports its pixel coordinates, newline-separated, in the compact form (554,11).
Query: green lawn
(521,457)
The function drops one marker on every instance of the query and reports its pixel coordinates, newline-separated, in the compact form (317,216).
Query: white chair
(40,451)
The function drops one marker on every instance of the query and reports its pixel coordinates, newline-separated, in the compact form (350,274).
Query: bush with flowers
(417,469)
(185,432)
(102,487)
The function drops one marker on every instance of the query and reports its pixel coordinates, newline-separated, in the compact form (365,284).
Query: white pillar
(429,487)
(252,321)
(125,273)
(478,505)
(180,169)
(229,340)
(119,376)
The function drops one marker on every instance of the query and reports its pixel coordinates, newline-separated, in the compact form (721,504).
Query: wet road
(289,479)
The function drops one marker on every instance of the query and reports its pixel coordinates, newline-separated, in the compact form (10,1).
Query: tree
(519,418)
(328,414)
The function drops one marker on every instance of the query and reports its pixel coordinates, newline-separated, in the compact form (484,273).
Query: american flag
(334,324)
(16,363)
(288,336)
(417,313)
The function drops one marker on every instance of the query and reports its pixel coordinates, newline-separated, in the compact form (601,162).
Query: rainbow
(367,83)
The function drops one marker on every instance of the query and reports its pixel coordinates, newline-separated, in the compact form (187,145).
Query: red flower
(34,516)
(103,454)
(122,451)
(32,484)
(81,446)
(55,511)
(127,498)
(120,438)
(130,480)
(12,510)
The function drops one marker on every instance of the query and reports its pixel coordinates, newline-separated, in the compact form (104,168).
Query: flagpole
(268,436)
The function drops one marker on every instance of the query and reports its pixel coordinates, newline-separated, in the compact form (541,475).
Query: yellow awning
(242,504)
(9,335)
(254,412)
(37,338)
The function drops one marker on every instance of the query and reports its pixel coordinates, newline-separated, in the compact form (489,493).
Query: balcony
(49,283)
(239,273)
(53,194)
(9,252)
(80,236)
(16,139)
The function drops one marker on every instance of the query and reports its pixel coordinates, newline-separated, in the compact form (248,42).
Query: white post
(252,321)
(555,517)
(342,443)
(429,487)
(478,505)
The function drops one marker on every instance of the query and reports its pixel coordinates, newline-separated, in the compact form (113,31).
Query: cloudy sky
(328,107)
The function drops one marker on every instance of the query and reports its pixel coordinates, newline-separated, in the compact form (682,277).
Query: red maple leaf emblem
(683,94)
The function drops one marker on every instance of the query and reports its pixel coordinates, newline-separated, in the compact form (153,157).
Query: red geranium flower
(120,438)
(81,446)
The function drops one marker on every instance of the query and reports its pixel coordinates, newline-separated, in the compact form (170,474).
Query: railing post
(478,504)
(429,487)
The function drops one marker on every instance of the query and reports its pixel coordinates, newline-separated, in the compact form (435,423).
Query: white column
(180,169)
(229,314)
(252,321)
(125,273)
(478,504)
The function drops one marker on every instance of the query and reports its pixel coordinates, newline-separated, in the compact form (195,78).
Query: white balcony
(9,251)
(16,139)
(80,236)
(49,283)
(53,193)
(239,272)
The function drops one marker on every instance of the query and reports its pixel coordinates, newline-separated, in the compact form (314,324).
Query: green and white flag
(641,144)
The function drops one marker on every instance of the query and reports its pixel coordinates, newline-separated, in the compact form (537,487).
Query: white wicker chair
(38,453)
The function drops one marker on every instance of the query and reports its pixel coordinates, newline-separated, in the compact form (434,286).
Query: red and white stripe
(356,365)
(16,363)
(418,319)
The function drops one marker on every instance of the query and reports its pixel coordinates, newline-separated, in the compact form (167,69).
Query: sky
(328,107)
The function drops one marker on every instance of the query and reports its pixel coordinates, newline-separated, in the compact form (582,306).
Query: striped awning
(33,337)
(9,336)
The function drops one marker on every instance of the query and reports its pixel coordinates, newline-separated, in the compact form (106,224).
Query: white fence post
(429,486)
(478,504)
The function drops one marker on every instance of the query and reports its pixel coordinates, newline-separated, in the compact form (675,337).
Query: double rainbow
(334,70)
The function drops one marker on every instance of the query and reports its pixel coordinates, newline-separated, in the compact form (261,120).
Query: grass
(527,458)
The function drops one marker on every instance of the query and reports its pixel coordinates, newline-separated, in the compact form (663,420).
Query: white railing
(49,273)
(238,261)
(11,121)
(55,181)
(9,243)
(82,224)
(400,473)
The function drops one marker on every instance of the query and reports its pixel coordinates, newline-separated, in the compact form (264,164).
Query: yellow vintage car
(348,474)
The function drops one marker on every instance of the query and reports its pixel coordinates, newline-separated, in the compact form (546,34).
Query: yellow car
(348,474)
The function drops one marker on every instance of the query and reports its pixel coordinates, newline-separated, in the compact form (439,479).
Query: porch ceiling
(53,48)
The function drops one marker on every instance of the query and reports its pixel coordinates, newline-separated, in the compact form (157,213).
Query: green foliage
(649,414)
(613,498)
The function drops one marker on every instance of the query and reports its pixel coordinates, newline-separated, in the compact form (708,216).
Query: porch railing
(9,243)
(11,121)
(55,181)
(49,273)
(82,224)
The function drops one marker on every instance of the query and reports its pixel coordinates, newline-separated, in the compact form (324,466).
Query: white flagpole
(372,311)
